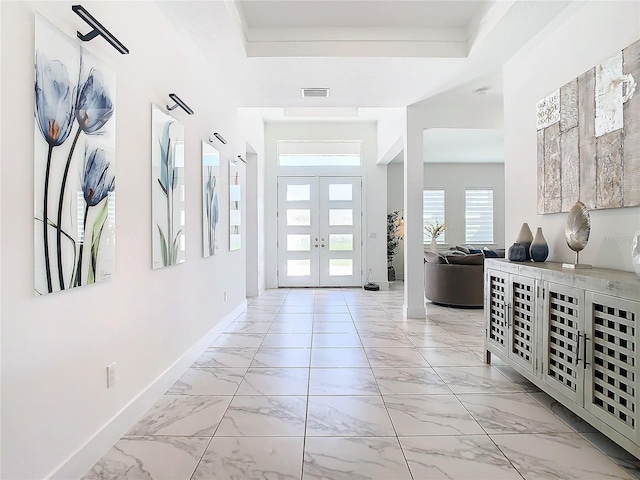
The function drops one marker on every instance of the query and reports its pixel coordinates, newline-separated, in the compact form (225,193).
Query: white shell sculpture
(635,252)
(578,227)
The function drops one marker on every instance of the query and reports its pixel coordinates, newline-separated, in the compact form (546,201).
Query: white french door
(319,231)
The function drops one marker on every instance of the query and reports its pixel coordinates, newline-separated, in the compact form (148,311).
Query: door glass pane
(340,191)
(340,266)
(342,216)
(342,242)
(298,243)
(298,218)
(298,268)
(298,193)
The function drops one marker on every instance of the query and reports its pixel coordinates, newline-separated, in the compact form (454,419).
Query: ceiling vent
(315,92)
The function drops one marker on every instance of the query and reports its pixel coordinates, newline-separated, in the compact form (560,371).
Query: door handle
(584,354)
(578,349)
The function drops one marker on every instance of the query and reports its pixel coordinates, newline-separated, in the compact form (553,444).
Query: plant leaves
(174,248)
(163,246)
(96,234)
(166,157)
(162,187)
(214,211)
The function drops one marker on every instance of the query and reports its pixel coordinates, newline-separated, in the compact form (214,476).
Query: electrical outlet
(111,375)
(226,297)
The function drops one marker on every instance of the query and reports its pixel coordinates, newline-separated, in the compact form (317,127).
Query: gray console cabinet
(574,334)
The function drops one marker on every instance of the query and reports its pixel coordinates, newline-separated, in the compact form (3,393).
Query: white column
(413,248)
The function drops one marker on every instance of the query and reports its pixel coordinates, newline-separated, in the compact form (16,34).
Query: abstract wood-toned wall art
(589,138)
(235,204)
(74,163)
(167,189)
(210,188)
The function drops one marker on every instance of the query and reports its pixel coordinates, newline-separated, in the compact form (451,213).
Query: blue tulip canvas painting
(167,189)
(74,163)
(210,203)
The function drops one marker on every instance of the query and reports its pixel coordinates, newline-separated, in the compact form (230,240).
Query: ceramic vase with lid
(539,250)
(525,237)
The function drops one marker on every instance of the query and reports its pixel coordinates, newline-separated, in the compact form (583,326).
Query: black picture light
(179,103)
(98,29)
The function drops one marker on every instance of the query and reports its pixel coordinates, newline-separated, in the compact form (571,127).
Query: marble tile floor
(334,384)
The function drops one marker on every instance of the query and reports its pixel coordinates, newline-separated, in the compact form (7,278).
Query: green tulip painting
(74,113)
(168,194)
(210,208)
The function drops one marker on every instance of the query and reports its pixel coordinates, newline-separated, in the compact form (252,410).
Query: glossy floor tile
(430,415)
(158,457)
(251,458)
(470,457)
(185,415)
(354,458)
(335,384)
(348,416)
(559,455)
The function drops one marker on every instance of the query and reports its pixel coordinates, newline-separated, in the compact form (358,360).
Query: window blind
(478,215)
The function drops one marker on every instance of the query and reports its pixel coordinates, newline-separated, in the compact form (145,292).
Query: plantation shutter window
(432,211)
(479,216)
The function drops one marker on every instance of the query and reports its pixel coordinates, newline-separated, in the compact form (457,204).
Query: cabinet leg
(487,357)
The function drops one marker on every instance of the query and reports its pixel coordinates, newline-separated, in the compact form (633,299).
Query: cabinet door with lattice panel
(496,295)
(562,340)
(611,375)
(522,321)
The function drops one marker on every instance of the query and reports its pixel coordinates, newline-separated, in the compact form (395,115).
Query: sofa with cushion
(456,278)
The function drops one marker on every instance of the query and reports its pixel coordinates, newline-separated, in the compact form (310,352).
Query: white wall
(454,178)
(458,108)
(55,347)
(252,127)
(592,34)
(374,189)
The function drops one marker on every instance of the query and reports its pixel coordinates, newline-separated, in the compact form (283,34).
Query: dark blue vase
(517,253)
(539,249)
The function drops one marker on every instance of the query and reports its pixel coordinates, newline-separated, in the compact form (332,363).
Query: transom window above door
(319,154)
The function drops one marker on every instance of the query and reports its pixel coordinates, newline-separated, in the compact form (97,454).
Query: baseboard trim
(88,454)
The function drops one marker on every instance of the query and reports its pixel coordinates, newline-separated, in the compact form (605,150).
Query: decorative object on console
(635,252)
(539,250)
(434,230)
(525,237)
(577,230)
(589,138)
(517,253)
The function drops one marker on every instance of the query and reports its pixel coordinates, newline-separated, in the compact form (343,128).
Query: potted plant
(434,230)
(393,241)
